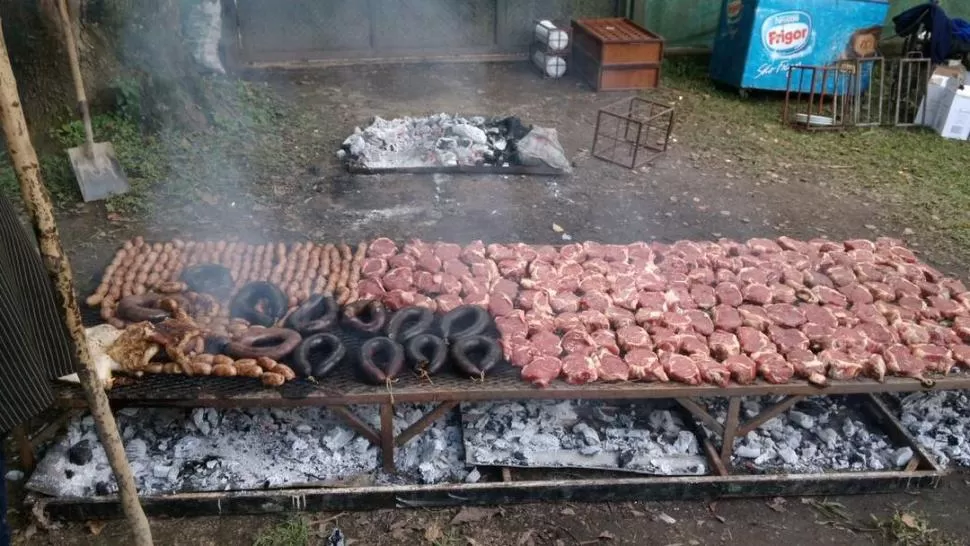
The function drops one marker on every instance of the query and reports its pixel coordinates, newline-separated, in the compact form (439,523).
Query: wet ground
(690,193)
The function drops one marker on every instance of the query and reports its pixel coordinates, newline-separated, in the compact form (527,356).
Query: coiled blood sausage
(317,315)
(427,353)
(319,355)
(381,360)
(465,321)
(409,322)
(259,303)
(474,356)
(365,316)
(274,343)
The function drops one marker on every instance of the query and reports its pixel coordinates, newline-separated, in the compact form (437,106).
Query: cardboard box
(939,88)
(953,120)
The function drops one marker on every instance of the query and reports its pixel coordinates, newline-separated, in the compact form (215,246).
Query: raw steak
(373,267)
(611,367)
(500,305)
(620,318)
(606,339)
(900,361)
(754,317)
(875,367)
(429,262)
(370,289)
(505,286)
(424,281)
(757,293)
(763,246)
(681,368)
(539,322)
(781,293)
(512,325)
(712,371)
(597,301)
(773,367)
(830,296)
(856,294)
(911,333)
(624,292)
(881,291)
(961,354)
(500,252)
(474,253)
(542,370)
(743,369)
(546,343)
(878,337)
(703,296)
(724,344)
(948,308)
(448,284)
(447,251)
(573,253)
(752,275)
(786,315)
(578,369)
(728,294)
(594,320)
(651,281)
(633,337)
(403,261)
(753,341)
(665,339)
(533,299)
(564,302)
(727,318)
(700,322)
(676,321)
(842,366)
(841,276)
(820,315)
(594,250)
(578,341)
(808,366)
(692,345)
(616,253)
(398,299)
(787,339)
(938,359)
(382,248)
(645,366)
(399,278)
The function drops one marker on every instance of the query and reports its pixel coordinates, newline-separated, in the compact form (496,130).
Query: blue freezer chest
(758,40)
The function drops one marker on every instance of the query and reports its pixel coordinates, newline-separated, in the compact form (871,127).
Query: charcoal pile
(693,312)
(174,450)
(940,423)
(820,434)
(577,434)
(446,141)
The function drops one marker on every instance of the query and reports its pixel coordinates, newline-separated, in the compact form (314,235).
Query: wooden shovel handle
(82,99)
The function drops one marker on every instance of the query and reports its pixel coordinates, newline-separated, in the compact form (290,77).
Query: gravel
(940,422)
(639,438)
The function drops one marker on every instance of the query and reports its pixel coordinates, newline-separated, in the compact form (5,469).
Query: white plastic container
(554,38)
(550,65)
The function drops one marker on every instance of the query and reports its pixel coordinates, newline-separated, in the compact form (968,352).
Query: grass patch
(292,532)
(172,167)
(907,529)
(923,176)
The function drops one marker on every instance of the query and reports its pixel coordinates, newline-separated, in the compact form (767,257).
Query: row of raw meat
(693,312)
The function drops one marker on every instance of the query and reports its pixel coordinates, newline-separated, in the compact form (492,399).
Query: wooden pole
(41,211)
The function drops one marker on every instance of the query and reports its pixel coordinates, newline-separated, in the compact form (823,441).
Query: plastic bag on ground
(541,146)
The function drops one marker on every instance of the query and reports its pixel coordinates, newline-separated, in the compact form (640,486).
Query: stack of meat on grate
(693,312)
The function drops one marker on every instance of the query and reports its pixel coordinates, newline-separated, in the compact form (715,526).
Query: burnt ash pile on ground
(440,140)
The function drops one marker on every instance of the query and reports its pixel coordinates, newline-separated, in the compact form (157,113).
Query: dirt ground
(698,191)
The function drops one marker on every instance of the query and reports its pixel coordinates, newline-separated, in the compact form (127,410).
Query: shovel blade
(98,173)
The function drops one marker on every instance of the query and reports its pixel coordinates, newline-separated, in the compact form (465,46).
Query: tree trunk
(40,209)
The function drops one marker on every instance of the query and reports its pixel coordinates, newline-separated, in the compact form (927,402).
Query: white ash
(173,450)
(940,422)
(819,434)
(444,140)
(577,434)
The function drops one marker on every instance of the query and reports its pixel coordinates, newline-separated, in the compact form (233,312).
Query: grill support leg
(387,438)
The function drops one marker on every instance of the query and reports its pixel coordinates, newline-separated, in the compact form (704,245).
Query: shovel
(98,172)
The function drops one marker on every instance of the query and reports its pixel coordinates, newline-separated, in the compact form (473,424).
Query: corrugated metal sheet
(692,23)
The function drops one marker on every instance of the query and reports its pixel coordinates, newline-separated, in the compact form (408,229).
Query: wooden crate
(616,54)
